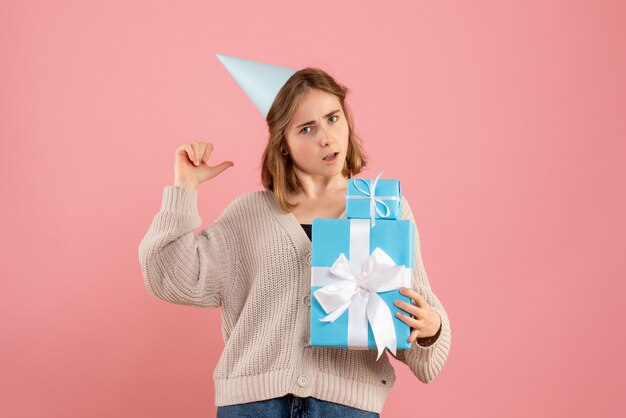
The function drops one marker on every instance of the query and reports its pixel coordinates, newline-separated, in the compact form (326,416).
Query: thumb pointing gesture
(191,165)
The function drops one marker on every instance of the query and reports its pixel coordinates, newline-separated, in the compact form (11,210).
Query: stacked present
(358,265)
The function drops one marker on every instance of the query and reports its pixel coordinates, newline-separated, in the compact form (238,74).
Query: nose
(324,136)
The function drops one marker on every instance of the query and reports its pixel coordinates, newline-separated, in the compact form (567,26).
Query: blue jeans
(291,406)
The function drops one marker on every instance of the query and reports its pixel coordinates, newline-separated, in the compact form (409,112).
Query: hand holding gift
(424,322)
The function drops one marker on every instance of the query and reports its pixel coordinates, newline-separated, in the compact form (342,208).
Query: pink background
(504,121)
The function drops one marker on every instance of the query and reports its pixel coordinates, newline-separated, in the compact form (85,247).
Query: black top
(307,229)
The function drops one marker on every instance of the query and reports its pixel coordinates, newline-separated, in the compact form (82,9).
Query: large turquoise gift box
(356,272)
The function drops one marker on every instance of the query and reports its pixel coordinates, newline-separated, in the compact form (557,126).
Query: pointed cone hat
(259,80)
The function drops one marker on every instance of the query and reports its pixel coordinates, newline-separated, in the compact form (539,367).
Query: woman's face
(317,129)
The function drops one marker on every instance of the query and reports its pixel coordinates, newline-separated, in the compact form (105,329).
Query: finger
(413,336)
(411,322)
(207,152)
(221,167)
(419,299)
(201,148)
(189,150)
(410,308)
(196,152)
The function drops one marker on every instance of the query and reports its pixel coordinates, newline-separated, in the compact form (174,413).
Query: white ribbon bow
(357,291)
(370,193)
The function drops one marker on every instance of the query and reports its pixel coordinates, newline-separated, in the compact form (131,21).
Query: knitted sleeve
(177,266)
(425,361)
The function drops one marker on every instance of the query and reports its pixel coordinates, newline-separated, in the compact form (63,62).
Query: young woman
(254,261)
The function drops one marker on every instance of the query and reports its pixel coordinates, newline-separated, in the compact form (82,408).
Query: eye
(304,129)
(334,116)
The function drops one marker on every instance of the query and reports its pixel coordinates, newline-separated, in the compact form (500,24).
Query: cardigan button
(303,381)
(308,258)
(307,300)
(304,340)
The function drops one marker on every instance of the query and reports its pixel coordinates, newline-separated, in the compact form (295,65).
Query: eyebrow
(313,122)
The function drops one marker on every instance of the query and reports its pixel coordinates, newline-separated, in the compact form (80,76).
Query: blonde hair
(277,172)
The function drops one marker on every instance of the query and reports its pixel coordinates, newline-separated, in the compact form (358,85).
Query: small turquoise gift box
(356,273)
(373,199)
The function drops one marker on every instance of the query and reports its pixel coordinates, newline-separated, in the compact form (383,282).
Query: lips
(330,156)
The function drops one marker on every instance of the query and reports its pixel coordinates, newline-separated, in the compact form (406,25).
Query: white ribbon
(354,286)
(370,193)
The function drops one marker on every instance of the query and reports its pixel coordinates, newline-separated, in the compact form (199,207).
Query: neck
(314,186)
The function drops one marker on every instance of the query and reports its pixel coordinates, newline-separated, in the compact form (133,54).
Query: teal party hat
(259,80)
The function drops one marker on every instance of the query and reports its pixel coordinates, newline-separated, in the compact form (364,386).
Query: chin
(334,171)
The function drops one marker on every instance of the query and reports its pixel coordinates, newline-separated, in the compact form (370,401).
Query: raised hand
(190,165)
